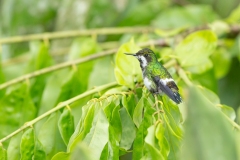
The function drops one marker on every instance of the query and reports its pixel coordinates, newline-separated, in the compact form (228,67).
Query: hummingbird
(155,76)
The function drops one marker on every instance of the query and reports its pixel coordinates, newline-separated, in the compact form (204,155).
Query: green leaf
(228,111)
(138,112)
(169,33)
(40,58)
(50,137)
(194,51)
(66,125)
(129,103)
(152,150)
(162,140)
(221,62)
(83,127)
(98,136)
(39,153)
(3,153)
(115,123)
(102,72)
(83,151)
(138,146)
(62,156)
(123,74)
(13,150)
(177,16)
(172,123)
(27,144)
(128,130)
(206,79)
(207,133)
(69,85)
(234,16)
(210,95)
(16,108)
(82,47)
(51,92)
(2,78)
(142,13)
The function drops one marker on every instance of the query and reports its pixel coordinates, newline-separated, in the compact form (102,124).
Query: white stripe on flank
(147,83)
(166,80)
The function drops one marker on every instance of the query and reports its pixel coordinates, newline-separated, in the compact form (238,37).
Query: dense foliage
(83,98)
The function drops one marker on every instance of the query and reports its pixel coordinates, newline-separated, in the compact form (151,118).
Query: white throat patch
(143,61)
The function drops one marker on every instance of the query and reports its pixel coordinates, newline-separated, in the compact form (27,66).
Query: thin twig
(72,63)
(59,106)
(76,33)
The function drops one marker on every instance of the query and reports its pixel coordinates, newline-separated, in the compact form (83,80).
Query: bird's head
(145,56)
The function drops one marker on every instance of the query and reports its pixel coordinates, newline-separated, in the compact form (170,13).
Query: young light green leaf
(128,130)
(3,153)
(218,142)
(61,156)
(124,75)
(27,144)
(194,51)
(66,125)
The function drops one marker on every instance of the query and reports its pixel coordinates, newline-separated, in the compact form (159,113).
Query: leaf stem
(75,33)
(235,125)
(59,106)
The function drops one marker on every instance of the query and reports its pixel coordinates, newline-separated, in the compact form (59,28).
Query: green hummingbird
(155,76)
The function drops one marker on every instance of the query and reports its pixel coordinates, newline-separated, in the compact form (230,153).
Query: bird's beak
(130,54)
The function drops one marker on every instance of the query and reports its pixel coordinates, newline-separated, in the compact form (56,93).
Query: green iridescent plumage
(155,76)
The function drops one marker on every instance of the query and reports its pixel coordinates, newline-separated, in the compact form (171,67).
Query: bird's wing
(169,87)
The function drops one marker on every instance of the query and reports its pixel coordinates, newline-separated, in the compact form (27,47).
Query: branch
(74,62)
(59,106)
(57,67)
(76,33)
